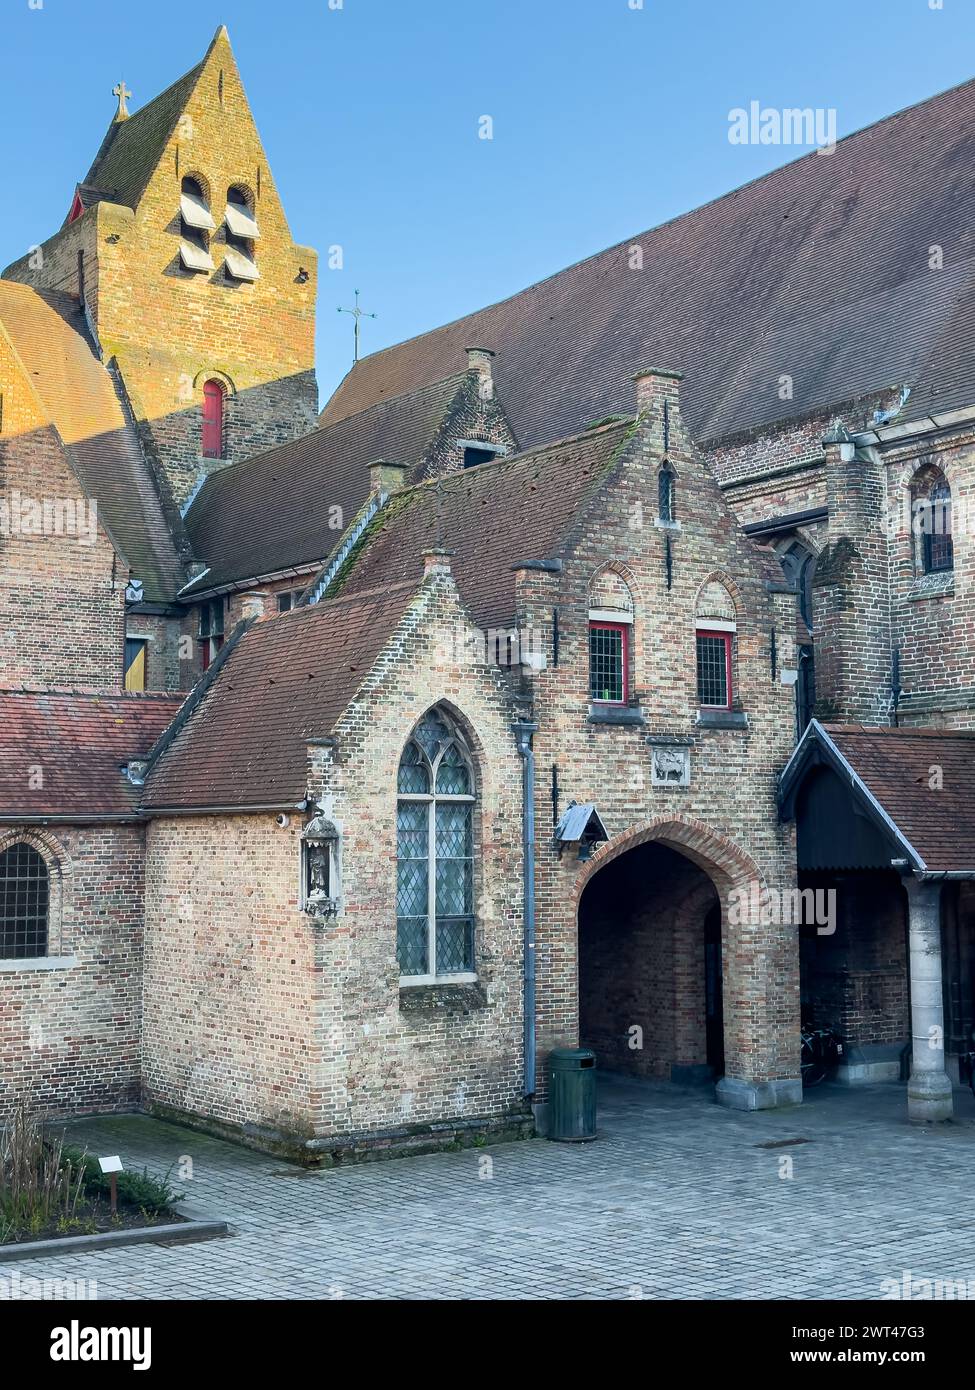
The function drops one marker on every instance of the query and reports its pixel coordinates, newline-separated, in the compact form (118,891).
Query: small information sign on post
(112,1166)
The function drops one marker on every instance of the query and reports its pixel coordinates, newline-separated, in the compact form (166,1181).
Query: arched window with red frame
(213,399)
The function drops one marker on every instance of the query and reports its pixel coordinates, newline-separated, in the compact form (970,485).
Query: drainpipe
(523,731)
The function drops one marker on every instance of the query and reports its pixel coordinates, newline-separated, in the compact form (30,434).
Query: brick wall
(856,980)
(725,820)
(61,598)
(256,1015)
(230,971)
(69,1036)
(933,614)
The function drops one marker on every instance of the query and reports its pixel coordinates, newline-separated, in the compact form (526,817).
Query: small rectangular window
(136,655)
(472,456)
(287,600)
(714,669)
(608,654)
(211,630)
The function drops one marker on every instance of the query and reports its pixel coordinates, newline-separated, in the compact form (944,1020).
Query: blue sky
(607,119)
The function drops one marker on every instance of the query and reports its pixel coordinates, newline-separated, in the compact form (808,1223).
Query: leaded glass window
(435,854)
(608,677)
(714,669)
(24,902)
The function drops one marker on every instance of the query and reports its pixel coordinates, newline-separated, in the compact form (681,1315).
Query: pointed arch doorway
(651,995)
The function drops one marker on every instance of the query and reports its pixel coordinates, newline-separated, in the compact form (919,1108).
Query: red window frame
(624,629)
(726,639)
(213,398)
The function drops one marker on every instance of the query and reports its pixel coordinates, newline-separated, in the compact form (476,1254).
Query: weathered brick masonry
(71,1024)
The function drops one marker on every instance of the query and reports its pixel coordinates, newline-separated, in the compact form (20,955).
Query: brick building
(595,668)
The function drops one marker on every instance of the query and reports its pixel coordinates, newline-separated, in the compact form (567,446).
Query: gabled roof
(132,148)
(916,785)
(81,741)
(492,517)
(273,512)
(49,335)
(288,679)
(818,269)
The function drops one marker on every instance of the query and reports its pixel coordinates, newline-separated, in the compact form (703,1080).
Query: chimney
(481,360)
(436,561)
(386,477)
(658,403)
(254,604)
(654,385)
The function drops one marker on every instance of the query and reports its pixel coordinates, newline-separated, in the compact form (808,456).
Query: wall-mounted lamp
(580,826)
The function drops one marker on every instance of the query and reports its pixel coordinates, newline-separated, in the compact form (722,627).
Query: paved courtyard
(678,1198)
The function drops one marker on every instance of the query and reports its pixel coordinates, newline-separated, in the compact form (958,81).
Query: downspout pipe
(523,731)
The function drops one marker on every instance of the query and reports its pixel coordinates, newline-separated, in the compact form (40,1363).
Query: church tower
(178,247)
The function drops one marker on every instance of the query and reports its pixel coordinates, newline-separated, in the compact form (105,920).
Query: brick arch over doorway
(660,919)
(725,863)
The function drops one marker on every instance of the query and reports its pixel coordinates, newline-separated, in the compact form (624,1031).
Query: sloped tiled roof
(491,517)
(133,148)
(48,333)
(80,742)
(272,512)
(819,270)
(934,813)
(288,679)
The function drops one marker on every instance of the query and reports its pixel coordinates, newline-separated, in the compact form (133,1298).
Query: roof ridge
(231,468)
(900,730)
(658,226)
(83,694)
(348,597)
(111,136)
(622,424)
(193,71)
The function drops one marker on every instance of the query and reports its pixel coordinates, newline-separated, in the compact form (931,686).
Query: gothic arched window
(799,565)
(931,521)
(435,854)
(25,897)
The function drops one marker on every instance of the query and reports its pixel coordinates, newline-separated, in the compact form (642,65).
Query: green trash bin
(572,1095)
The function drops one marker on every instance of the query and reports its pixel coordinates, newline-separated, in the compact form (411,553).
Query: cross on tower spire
(357,314)
(119,90)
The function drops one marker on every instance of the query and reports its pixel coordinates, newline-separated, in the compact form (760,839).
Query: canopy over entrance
(885,826)
(877,798)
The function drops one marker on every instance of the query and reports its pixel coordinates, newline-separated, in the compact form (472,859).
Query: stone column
(929,1090)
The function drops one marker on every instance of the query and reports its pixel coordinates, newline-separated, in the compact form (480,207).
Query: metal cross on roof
(119,90)
(358,314)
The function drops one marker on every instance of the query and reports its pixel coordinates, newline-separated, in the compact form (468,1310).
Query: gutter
(523,731)
(82,818)
(238,586)
(150,811)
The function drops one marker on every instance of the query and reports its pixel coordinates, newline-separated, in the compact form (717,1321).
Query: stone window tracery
(435,854)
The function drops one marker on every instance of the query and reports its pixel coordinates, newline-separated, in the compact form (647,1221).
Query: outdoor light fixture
(580,825)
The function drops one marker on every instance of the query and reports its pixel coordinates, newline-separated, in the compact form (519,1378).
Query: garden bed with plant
(50,1189)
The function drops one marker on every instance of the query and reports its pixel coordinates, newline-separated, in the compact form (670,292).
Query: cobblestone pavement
(679,1198)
